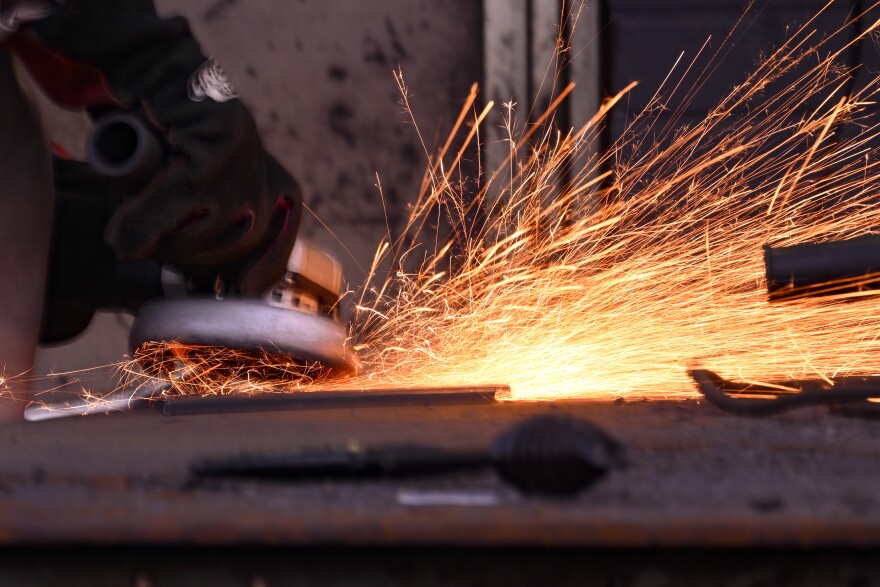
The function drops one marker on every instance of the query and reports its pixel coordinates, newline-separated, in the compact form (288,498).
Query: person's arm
(25,232)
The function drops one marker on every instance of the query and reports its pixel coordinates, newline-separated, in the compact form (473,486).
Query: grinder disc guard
(246,324)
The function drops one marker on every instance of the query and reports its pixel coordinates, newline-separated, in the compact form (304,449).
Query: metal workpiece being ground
(155,393)
(336,399)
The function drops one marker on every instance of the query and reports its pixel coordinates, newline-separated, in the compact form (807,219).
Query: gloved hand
(221,204)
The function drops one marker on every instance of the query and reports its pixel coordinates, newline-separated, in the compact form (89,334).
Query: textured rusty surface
(696,476)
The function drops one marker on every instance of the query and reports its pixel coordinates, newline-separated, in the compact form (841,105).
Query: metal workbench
(696,478)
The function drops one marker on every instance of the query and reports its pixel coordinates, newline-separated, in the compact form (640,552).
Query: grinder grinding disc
(246,324)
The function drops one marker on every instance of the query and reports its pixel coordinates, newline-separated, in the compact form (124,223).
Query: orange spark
(647,260)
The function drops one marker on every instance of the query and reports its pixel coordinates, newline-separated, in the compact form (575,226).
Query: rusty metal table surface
(695,477)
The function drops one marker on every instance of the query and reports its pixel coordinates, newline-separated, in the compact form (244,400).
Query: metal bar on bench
(311,400)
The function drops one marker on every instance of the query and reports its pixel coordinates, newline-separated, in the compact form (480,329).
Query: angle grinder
(298,317)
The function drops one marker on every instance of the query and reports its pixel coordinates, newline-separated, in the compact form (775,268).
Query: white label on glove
(210,81)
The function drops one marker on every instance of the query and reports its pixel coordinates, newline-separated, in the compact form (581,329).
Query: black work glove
(220,204)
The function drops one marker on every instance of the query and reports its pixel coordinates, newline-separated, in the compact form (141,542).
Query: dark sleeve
(94,53)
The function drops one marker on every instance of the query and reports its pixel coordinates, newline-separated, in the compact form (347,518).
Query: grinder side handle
(121,145)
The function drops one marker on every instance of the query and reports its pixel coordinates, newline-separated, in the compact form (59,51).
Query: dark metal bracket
(733,397)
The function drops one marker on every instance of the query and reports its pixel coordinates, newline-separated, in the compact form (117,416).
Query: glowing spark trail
(649,259)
